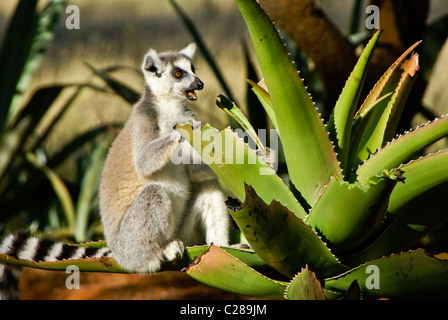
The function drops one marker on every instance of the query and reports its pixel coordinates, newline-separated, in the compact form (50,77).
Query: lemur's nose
(199,83)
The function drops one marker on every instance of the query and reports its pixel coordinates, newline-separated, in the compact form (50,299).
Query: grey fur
(150,207)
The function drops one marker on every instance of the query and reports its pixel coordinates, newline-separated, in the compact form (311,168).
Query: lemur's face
(171,74)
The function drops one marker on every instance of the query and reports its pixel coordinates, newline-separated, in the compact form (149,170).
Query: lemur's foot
(174,250)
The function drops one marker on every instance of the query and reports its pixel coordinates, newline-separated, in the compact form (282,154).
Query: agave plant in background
(356,202)
(26,170)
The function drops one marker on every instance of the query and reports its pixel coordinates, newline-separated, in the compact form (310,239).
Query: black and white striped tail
(22,245)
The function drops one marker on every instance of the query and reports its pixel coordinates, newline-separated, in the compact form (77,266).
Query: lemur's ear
(151,62)
(189,50)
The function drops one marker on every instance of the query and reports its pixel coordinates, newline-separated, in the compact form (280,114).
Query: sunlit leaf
(221,270)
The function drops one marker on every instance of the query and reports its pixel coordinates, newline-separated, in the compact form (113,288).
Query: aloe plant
(355,185)
(347,221)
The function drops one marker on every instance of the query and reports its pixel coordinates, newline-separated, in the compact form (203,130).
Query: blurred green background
(49,166)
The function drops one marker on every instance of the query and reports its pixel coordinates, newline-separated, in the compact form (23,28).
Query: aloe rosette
(346,223)
(352,208)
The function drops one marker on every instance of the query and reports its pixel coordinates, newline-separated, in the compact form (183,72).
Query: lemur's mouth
(191,95)
(196,85)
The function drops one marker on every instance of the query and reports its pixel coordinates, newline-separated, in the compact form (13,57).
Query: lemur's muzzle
(196,85)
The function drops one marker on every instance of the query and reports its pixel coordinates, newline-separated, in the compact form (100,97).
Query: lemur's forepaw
(174,250)
(176,137)
(195,124)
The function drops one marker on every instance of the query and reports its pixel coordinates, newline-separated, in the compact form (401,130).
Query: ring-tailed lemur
(150,207)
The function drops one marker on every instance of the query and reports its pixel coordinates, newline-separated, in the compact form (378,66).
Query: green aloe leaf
(236,164)
(414,208)
(305,286)
(246,256)
(411,69)
(413,274)
(219,269)
(309,154)
(377,120)
(233,111)
(344,226)
(281,239)
(341,119)
(401,149)
(412,225)
(265,99)
(382,86)
(422,175)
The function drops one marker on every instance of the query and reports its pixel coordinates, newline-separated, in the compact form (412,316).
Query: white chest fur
(170,113)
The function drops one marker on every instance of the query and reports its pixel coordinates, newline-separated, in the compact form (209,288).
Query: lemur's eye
(178,74)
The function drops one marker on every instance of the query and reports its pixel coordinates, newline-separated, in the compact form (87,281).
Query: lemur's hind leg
(208,219)
(143,240)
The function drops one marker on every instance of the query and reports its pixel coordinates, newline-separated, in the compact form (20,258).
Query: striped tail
(24,246)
